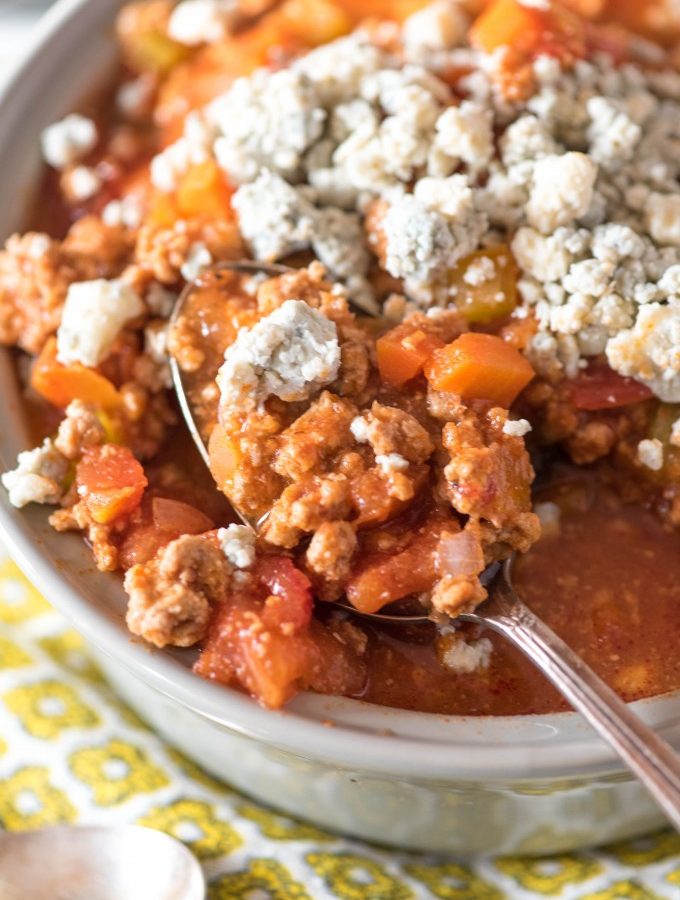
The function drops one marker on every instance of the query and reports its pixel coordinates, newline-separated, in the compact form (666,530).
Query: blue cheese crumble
(290,354)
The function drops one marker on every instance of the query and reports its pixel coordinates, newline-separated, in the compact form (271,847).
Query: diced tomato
(403,352)
(481,367)
(290,604)
(270,664)
(163,520)
(382,578)
(110,481)
(599,387)
(177,517)
(61,384)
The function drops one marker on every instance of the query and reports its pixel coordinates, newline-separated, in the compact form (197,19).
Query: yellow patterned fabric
(71,752)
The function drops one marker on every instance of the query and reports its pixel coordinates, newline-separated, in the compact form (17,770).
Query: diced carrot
(203,192)
(315,21)
(506,23)
(403,352)
(396,10)
(491,294)
(382,578)
(225,456)
(110,481)
(61,384)
(480,366)
(529,30)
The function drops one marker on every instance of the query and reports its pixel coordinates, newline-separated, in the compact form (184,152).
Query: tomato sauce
(607,583)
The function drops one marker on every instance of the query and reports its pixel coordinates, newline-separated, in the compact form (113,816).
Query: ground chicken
(76,517)
(457,594)
(391,430)
(171,596)
(329,557)
(302,508)
(34,278)
(80,429)
(314,436)
(163,251)
(97,250)
(489,476)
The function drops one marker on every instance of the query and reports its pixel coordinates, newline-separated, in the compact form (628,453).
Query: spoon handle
(647,755)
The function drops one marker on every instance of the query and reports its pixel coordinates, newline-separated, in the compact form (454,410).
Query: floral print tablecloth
(70,751)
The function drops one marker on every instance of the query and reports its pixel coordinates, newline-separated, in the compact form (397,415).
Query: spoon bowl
(70,862)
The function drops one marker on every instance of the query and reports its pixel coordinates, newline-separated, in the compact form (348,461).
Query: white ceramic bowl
(533,784)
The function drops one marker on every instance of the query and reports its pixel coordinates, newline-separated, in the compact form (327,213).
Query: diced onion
(460,554)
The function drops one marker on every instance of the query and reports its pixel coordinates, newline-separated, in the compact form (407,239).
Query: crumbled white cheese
(274,217)
(675,433)
(290,354)
(464,657)
(662,218)
(39,476)
(198,259)
(80,183)
(266,121)
(430,230)
(160,300)
(612,134)
(440,26)
(192,148)
(339,241)
(463,134)
(126,211)
(550,516)
(391,462)
(546,258)
(194,22)
(238,545)
(359,429)
(650,454)
(516,427)
(134,97)
(336,70)
(93,316)
(650,350)
(562,190)
(156,348)
(67,141)
(479,271)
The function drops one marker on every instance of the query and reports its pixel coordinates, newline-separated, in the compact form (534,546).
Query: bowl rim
(371,738)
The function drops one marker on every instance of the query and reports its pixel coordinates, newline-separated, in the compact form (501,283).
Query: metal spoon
(97,863)
(650,758)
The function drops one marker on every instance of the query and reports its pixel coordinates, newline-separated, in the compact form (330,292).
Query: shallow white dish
(534,784)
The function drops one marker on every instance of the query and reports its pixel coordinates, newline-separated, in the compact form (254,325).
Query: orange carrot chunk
(61,384)
(479,366)
(403,352)
(110,481)
(203,192)
(529,30)
(506,23)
